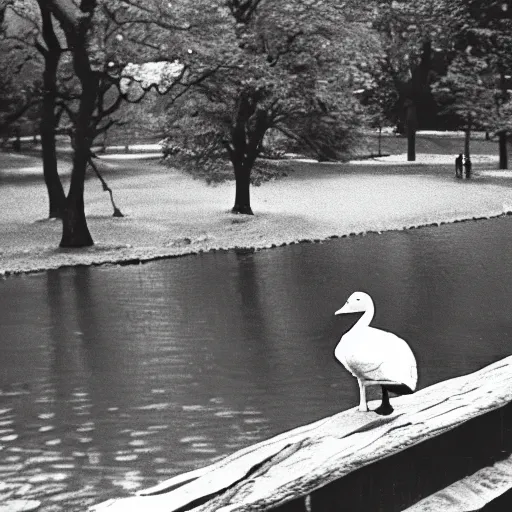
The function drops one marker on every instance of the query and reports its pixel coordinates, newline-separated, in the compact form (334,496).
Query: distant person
(467,167)
(458,166)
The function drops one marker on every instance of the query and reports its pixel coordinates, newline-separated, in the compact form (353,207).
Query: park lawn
(168,213)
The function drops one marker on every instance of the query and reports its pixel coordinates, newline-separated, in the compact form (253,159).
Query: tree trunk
(56,196)
(503,134)
(243,187)
(411,127)
(76,21)
(16,144)
(416,93)
(247,133)
(411,145)
(380,140)
(467,139)
(48,124)
(75,231)
(502,141)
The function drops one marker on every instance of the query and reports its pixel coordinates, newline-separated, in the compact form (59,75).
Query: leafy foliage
(292,67)
(475,84)
(465,92)
(488,38)
(20,74)
(418,40)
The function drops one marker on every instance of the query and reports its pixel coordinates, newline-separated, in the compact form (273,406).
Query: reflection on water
(115,378)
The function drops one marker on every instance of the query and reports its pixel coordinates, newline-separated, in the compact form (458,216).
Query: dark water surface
(115,378)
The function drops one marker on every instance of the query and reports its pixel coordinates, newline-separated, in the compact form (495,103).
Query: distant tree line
(234,74)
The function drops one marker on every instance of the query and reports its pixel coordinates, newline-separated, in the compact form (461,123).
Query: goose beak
(345,309)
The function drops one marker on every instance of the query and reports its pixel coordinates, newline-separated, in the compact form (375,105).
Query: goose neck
(367,317)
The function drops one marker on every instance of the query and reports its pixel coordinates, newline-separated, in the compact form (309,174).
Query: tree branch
(105,128)
(242,10)
(106,188)
(69,15)
(155,17)
(14,116)
(66,108)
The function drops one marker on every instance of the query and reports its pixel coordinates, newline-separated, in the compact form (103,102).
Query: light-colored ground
(169,213)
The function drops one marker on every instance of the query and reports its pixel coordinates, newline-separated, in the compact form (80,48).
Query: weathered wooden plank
(297,463)
(500,504)
(240,462)
(188,490)
(395,483)
(479,491)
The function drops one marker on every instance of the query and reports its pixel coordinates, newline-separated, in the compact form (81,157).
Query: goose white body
(374,356)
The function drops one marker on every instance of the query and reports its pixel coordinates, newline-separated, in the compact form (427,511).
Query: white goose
(375,357)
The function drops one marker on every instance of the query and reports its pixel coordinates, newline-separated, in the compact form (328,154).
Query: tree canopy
(289,66)
(234,72)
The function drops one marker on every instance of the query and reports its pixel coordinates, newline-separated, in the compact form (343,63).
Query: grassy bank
(168,213)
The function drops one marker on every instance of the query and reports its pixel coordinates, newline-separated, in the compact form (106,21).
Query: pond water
(115,378)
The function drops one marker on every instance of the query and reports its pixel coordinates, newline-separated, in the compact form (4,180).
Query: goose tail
(412,381)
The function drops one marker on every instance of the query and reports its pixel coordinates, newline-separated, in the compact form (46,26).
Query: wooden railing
(449,443)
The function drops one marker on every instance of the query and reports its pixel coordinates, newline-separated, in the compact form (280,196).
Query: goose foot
(363,408)
(384,408)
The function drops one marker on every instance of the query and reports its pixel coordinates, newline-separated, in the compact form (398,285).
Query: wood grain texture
(472,492)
